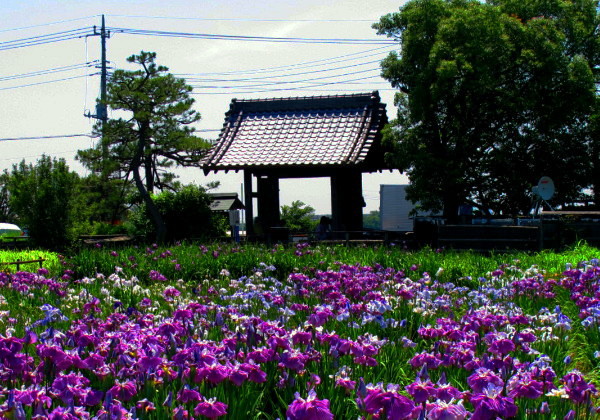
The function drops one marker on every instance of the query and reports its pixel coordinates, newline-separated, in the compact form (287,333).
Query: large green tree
(153,134)
(491,97)
(298,217)
(42,198)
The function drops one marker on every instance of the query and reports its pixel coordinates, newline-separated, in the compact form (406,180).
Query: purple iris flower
(480,379)
(146,363)
(62,413)
(387,402)
(255,373)
(180,413)
(421,391)
(187,395)
(293,360)
(123,391)
(526,336)
(214,373)
(447,393)
(446,411)
(55,356)
(424,358)
(156,276)
(145,406)
(301,337)
(491,404)
(210,408)
(577,388)
(544,408)
(524,385)
(92,397)
(310,408)
(502,346)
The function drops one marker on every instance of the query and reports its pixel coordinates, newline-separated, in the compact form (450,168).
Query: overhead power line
(307,80)
(50,71)
(48,24)
(64,136)
(49,81)
(148,32)
(240,19)
(45,39)
(300,65)
(278,76)
(281,89)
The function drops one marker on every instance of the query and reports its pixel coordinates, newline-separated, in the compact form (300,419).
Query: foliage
(491,97)
(6,215)
(186,214)
(372,220)
(154,136)
(102,205)
(43,198)
(106,200)
(298,217)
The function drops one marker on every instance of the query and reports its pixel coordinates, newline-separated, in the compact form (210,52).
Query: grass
(51,260)
(194,262)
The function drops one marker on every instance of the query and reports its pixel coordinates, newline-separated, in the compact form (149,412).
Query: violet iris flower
(491,404)
(387,401)
(577,388)
(446,411)
(524,385)
(310,408)
(210,408)
(187,395)
(502,346)
(421,391)
(483,377)
(123,391)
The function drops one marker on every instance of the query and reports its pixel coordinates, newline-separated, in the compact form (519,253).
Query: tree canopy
(152,136)
(298,217)
(42,198)
(491,97)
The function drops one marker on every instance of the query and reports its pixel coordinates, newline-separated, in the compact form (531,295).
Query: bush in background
(42,197)
(186,213)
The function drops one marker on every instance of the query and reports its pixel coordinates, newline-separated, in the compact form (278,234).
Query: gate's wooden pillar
(267,187)
(248,203)
(346,200)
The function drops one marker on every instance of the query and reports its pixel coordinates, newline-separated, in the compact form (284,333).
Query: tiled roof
(290,132)
(225,201)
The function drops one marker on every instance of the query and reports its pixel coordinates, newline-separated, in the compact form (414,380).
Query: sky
(46,89)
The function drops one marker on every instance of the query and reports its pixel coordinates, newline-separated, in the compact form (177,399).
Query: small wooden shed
(225,202)
(305,137)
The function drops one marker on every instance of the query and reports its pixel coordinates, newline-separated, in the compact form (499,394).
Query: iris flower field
(300,332)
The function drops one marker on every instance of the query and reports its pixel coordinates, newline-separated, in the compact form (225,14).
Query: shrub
(186,214)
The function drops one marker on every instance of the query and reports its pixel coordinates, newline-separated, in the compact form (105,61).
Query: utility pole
(103,111)
(101,107)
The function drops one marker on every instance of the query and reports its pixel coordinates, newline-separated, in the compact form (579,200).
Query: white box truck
(394,208)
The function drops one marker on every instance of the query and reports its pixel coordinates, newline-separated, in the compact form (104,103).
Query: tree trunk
(149,174)
(161,229)
(452,201)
